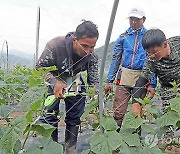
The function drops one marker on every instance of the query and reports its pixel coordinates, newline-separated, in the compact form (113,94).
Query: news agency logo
(151,140)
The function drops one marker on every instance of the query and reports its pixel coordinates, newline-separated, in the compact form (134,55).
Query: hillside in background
(16,58)
(21,54)
(99,51)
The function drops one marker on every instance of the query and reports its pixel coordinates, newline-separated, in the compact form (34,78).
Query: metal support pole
(37,33)
(7,56)
(111,22)
(6,62)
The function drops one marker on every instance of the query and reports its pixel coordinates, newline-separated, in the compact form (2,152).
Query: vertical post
(37,33)
(111,22)
(34,60)
(7,56)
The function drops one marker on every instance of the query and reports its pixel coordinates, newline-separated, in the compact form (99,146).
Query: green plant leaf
(151,110)
(47,146)
(127,130)
(33,149)
(93,104)
(12,134)
(178,124)
(131,139)
(44,70)
(153,150)
(91,92)
(95,126)
(170,118)
(87,152)
(3,101)
(161,131)
(109,123)
(148,129)
(32,95)
(175,86)
(34,107)
(175,104)
(132,121)
(42,128)
(2,130)
(125,149)
(114,139)
(3,152)
(17,147)
(34,81)
(144,101)
(5,110)
(105,143)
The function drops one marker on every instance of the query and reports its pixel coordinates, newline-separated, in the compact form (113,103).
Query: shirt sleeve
(92,71)
(116,60)
(46,60)
(153,80)
(148,69)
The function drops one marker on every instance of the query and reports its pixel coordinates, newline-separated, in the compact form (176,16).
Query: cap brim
(135,15)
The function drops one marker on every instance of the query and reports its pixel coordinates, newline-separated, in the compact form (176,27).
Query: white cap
(136,12)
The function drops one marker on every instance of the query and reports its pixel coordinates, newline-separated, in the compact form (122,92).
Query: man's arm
(46,60)
(144,79)
(115,63)
(153,80)
(92,71)
(140,89)
(151,88)
(116,60)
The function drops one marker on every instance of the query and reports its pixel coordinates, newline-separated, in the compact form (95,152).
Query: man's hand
(108,87)
(136,108)
(151,92)
(59,89)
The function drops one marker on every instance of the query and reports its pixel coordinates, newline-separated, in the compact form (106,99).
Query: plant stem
(26,139)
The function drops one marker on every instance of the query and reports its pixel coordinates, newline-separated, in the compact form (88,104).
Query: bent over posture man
(164,60)
(71,54)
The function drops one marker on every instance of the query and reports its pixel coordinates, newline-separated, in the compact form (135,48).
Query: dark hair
(87,29)
(153,38)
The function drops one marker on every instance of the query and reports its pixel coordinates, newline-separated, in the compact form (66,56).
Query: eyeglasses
(154,52)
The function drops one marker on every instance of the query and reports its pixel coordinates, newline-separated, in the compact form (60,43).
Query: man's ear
(165,44)
(74,39)
(144,18)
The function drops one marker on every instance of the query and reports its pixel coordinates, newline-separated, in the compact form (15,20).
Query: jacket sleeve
(153,80)
(148,70)
(92,71)
(116,60)
(46,60)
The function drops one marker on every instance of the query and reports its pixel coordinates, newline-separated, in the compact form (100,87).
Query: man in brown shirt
(71,54)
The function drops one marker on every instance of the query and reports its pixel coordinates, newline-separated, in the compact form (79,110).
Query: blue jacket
(128,52)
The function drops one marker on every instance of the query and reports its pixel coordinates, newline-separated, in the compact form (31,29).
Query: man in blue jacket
(130,55)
